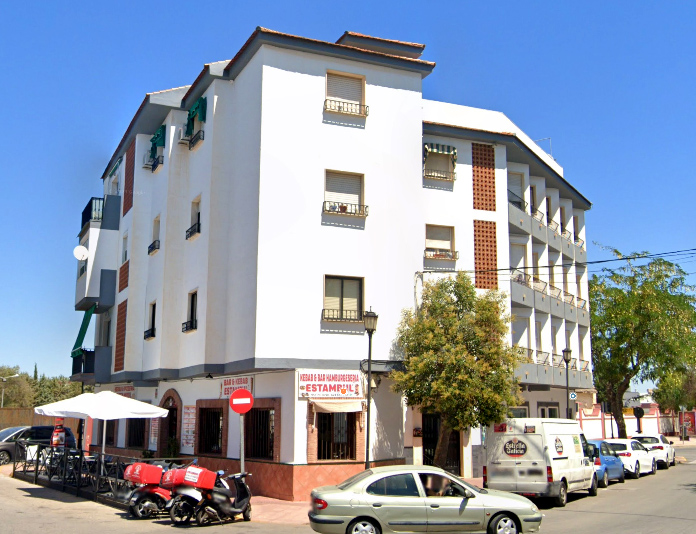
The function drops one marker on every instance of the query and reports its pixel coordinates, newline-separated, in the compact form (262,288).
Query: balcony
(94,211)
(517,201)
(149,333)
(567,245)
(83,365)
(549,370)
(154,247)
(346,316)
(189,326)
(195,139)
(193,231)
(156,162)
(347,108)
(521,291)
(434,174)
(557,305)
(520,222)
(524,355)
(338,208)
(440,254)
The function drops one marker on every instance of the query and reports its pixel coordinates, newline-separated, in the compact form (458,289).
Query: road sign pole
(241,442)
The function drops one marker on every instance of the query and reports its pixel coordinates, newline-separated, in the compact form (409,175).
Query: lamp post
(4,379)
(370,319)
(566,359)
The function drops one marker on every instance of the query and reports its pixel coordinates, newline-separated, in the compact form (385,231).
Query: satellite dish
(80,252)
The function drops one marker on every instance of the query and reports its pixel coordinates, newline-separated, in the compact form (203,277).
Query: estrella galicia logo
(559,446)
(515,448)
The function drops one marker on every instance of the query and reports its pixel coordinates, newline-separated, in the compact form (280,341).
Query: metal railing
(83,364)
(539,285)
(558,360)
(339,208)
(149,333)
(538,215)
(584,365)
(342,315)
(440,254)
(555,292)
(543,358)
(517,201)
(195,138)
(579,242)
(581,303)
(153,246)
(568,298)
(524,355)
(434,174)
(565,234)
(521,277)
(93,211)
(189,325)
(349,108)
(195,229)
(156,162)
(573,363)
(552,224)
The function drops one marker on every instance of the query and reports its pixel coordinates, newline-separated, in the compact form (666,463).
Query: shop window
(210,430)
(260,433)
(136,434)
(111,427)
(336,436)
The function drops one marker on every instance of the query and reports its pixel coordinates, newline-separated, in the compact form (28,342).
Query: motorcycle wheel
(181,513)
(202,518)
(141,509)
(246,514)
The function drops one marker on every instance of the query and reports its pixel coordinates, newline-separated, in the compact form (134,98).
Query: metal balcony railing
(93,211)
(573,363)
(524,355)
(517,201)
(155,245)
(156,162)
(538,215)
(552,224)
(543,358)
(434,174)
(521,277)
(195,138)
(195,229)
(558,360)
(339,208)
(440,254)
(349,108)
(539,285)
(149,333)
(581,303)
(584,365)
(579,242)
(352,316)
(568,298)
(555,292)
(189,325)
(565,234)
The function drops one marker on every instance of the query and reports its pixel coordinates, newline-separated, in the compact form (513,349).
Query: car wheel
(593,488)
(622,479)
(636,472)
(654,467)
(674,460)
(363,526)
(562,498)
(667,461)
(502,524)
(605,480)
(5,457)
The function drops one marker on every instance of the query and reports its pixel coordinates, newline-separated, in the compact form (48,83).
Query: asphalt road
(665,502)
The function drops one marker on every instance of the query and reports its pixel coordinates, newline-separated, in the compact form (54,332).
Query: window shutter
(438,162)
(515,184)
(332,294)
(344,88)
(343,188)
(438,237)
(351,295)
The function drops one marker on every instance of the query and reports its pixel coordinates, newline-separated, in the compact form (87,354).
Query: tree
(18,390)
(676,388)
(457,362)
(642,322)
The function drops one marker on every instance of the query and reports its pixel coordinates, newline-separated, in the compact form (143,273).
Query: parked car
(660,447)
(390,499)
(539,458)
(607,465)
(636,458)
(36,434)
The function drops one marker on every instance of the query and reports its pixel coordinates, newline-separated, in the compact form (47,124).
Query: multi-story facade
(250,218)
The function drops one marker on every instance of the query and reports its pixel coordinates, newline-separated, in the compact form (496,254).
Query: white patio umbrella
(104,405)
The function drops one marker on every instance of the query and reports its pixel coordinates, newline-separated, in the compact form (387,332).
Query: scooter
(222,504)
(147,499)
(186,486)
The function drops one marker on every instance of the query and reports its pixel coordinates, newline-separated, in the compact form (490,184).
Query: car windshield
(354,479)
(7,432)
(646,439)
(618,446)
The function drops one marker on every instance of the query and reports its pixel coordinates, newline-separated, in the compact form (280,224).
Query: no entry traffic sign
(241,401)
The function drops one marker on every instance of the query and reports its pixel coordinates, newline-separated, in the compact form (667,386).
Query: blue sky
(613,85)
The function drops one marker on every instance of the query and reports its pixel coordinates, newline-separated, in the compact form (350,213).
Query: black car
(37,434)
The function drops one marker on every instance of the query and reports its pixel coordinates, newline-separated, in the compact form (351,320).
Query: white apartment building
(250,218)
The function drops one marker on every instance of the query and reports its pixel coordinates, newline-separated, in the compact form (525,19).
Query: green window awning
(115,167)
(437,148)
(77,349)
(199,108)
(157,140)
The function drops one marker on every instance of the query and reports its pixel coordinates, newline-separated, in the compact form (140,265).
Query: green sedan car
(405,499)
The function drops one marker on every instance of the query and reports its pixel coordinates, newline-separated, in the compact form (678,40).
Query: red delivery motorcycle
(147,499)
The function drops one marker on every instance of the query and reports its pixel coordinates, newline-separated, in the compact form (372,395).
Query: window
(110,432)
(124,249)
(516,190)
(136,433)
(438,167)
(82,264)
(664,440)
(192,322)
(150,332)
(195,227)
(553,412)
(336,436)
(637,446)
(344,94)
(395,486)
(563,219)
(518,257)
(342,299)
(439,242)
(542,413)
(156,229)
(343,194)
(113,186)
(260,433)
(441,486)
(518,411)
(106,332)
(210,431)
(532,198)
(576,228)
(546,410)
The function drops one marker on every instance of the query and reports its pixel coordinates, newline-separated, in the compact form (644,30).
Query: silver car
(406,499)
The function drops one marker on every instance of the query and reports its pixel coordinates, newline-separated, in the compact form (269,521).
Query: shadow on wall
(440,185)
(348,121)
(342,221)
(331,327)
(389,422)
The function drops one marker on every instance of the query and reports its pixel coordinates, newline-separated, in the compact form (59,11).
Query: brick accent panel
(123,276)
(485,255)
(212,403)
(120,349)
(162,435)
(483,164)
(129,179)
(313,441)
(274,404)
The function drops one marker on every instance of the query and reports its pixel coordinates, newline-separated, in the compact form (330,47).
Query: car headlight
(535,509)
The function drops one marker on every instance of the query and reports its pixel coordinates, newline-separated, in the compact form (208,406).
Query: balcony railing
(189,325)
(558,360)
(538,215)
(93,211)
(583,365)
(434,174)
(565,234)
(156,162)
(573,363)
(339,208)
(349,108)
(351,316)
(543,358)
(521,278)
(568,298)
(552,224)
(153,246)
(524,355)
(555,292)
(149,333)
(579,242)
(539,285)
(440,254)
(195,229)
(517,201)
(581,303)
(83,364)
(195,138)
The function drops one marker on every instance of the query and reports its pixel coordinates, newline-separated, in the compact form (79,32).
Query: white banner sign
(232,384)
(330,384)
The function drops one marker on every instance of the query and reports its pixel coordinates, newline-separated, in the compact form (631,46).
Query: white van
(539,458)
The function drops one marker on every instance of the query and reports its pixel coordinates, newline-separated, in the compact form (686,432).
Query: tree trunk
(442,448)
(616,401)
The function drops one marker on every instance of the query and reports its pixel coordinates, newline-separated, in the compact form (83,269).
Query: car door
(609,459)
(668,447)
(448,507)
(396,501)
(644,457)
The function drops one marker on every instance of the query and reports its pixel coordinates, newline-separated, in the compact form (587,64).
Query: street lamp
(566,359)
(370,319)
(4,379)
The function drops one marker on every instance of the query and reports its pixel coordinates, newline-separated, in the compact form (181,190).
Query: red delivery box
(142,473)
(197,477)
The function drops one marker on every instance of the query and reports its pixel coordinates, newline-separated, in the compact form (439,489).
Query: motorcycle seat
(224,491)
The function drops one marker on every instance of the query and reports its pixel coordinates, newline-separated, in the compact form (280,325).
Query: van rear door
(501,467)
(531,465)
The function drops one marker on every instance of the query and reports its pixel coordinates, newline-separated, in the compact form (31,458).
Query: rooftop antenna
(550,145)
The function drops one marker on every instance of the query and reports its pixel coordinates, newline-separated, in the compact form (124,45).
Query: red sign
(241,401)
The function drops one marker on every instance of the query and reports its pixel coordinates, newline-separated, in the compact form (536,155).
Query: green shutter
(157,140)
(77,349)
(200,108)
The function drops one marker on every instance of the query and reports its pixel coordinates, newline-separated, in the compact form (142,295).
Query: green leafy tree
(457,361)
(18,390)
(642,322)
(676,388)
(53,389)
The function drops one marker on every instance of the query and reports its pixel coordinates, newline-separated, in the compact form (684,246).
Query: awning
(115,167)
(437,148)
(339,406)
(77,349)
(200,109)
(157,140)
